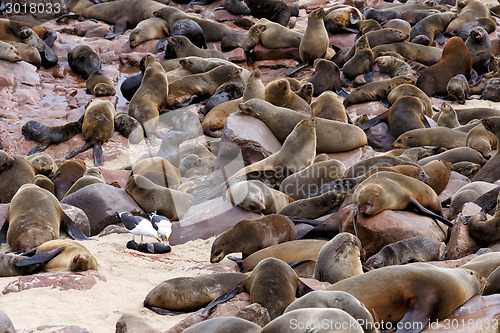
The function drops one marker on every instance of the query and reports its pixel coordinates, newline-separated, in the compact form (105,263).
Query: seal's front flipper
(224,298)
(39,148)
(116,31)
(73,230)
(98,155)
(419,312)
(163,311)
(374,121)
(41,258)
(77,151)
(429,213)
(3,233)
(301,67)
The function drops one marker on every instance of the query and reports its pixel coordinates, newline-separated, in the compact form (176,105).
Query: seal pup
(99,84)
(458,88)
(83,60)
(249,236)
(35,216)
(28,36)
(97,127)
(43,163)
(129,127)
(339,259)
(448,116)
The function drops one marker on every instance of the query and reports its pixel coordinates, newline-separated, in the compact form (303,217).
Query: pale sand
(130,276)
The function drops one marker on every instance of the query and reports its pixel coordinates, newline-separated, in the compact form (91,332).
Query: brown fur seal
(99,84)
(393,66)
(255,196)
(394,191)
(439,173)
(74,256)
(447,116)
(434,291)
(183,47)
(468,169)
(332,136)
(8,267)
(43,163)
(314,207)
(436,136)
(432,25)
(28,36)
(272,284)
(426,55)
(97,127)
(9,52)
(246,41)
(340,18)
(326,76)
(15,171)
(339,259)
(277,36)
(473,10)
(416,248)
(479,45)
(433,80)
(35,216)
(190,293)
(129,127)
(91,176)
(66,175)
(315,41)
(490,171)
(151,197)
(468,193)
(28,53)
(249,236)
(385,36)
(83,60)
(159,170)
(361,62)
(410,90)
(224,324)
(150,97)
(377,90)
(151,28)
(481,140)
(49,135)
(458,88)
(182,90)
(278,93)
(328,106)
(45,183)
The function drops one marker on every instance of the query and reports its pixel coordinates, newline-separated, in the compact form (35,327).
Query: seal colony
(324,185)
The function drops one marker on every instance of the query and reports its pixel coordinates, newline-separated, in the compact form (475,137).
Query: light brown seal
(482,140)
(91,176)
(436,136)
(15,171)
(249,236)
(447,116)
(279,93)
(151,28)
(468,193)
(43,163)
(439,173)
(427,55)
(315,41)
(45,182)
(158,170)
(183,47)
(328,106)
(9,52)
(99,84)
(432,26)
(361,62)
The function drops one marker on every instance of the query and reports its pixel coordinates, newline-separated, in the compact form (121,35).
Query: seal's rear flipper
(77,151)
(163,311)
(301,67)
(224,298)
(116,31)
(41,258)
(98,156)
(39,148)
(429,213)
(374,121)
(419,312)
(341,92)
(73,230)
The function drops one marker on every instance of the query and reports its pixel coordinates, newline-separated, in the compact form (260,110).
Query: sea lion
(43,163)
(439,173)
(255,196)
(433,80)
(49,135)
(468,193)
(301,321)
(426,55)
(45,182)
(490,171)
(91,176)
(35,216)
(183,47)
(151,28)
(158,170)
(479,46)
(99,84)
(312,208)
(296,250)
(328,106)
(28,36)
(390,190)
(97,127)
(214,31)
(361,62)
(279,93)
(326,76)
(190,293)
(416,248)
(433,26)
(315,41)
(394,293)
(129,127)
(340,18)
(9,52)
(339,259)
(336,300)
(447,116)
(83,60)
(74,257)
(272,284)
(66,175)
(249,236)
(151,197)
(224,324)
(481,140)
(377,90)
(458,88)
(15,171)
(436,136)
(150,97)
(332,136)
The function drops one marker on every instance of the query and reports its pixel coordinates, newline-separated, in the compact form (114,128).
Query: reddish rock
(62,280)
(249,135)
(351,157)
(129,323)
(195,318)
(343,41)
(224,15)
(263,53)
(461,243)
(255,313)
(145,47)
(22,72)
(315,284)
(208,219)
(379,138)
(79,217)
(371,109)
(119,176)
(453,263)
(390,226)
(457,181)
(236,55)
(100,202)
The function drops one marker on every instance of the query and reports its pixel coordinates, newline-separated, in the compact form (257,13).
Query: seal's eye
(218,252)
